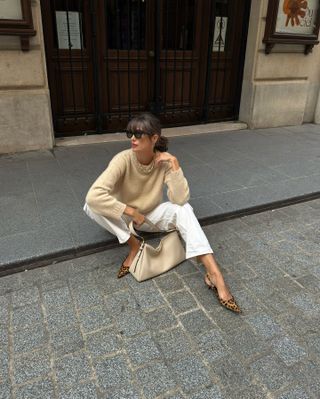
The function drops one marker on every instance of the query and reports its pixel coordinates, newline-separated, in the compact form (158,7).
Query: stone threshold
(218,127)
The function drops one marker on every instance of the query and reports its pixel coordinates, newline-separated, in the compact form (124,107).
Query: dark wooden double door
(110,59)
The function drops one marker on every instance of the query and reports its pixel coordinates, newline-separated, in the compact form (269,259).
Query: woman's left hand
(166,157)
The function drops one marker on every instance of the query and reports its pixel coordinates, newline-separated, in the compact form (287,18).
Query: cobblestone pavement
(72,330)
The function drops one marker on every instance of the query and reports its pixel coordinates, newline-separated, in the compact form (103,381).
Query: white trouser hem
(194,254)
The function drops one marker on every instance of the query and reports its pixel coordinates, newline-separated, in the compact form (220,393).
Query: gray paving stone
(25,296)
(32,365)
(185,267)
(83,281)
(72,369)
(213,392)
(161,318)
(272,372)
(119,302)
(155,379)
(87,296)
(128,392)
(196,322)
(5,390)
(311,283)
(305,302)
(4,366)
(33,277)
(169,283)
(26,316)
(149,299)
(131,323)
(288,350)
(276,303)
(113,373)
(57,297)
(94,318)
(251,392)
(9,284)
(181,301)
(241,270)
(232,374)
(61,317)
(226,320)
(102,343)
(246,342)
(108,283)
(4,310)
(66,341)
(294,393)
(190,373)
(177,395)
(289,287)
(248,303)
(264,325)
(29,339)
(173,343)
(142,349)
(82,391)
(205,297)
(36,390)
(212,345)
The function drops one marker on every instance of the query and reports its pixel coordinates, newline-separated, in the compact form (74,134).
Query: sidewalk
(42,193)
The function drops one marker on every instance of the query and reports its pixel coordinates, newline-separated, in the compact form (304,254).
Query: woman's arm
(178,189)
(99,196)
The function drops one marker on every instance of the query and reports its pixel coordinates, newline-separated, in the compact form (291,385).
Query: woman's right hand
(137,217)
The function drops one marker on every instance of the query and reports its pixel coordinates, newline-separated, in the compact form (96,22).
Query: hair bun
(162,144)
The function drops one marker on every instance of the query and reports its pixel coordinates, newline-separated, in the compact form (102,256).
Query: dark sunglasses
(136,133)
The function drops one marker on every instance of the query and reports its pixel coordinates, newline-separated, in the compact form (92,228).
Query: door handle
(151,53)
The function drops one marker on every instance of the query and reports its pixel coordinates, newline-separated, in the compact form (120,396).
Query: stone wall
(281,88)
(25,111)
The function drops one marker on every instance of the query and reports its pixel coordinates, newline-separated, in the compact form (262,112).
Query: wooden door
(110,59)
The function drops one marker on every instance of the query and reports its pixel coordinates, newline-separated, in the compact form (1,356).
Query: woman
(131,188)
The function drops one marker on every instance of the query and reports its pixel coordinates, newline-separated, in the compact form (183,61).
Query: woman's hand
(137,217)
(166,157)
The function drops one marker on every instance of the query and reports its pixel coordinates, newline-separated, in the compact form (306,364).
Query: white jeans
(165,216)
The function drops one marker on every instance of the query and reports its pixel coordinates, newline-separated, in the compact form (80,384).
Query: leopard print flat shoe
(230,304)
(123,270)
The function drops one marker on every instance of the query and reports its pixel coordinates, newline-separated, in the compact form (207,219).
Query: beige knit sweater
(128,182)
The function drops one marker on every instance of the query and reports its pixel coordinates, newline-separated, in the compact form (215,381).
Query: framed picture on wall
(16,20)
(292,22)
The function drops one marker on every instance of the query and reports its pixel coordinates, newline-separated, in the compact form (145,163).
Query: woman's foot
(124,269)
(223,294)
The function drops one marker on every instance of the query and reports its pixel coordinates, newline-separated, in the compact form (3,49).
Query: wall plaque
(292,22)
(16,20)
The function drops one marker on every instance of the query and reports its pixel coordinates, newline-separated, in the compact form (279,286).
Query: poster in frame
(292,22)
(16,20)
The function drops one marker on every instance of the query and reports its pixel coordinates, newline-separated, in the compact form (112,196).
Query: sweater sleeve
(99,198)
(178,188)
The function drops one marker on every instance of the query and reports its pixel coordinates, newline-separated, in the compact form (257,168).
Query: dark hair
(150,124)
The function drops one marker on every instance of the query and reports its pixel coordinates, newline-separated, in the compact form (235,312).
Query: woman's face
(144,144)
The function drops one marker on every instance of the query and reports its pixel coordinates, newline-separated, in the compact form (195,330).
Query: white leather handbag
(149,261)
